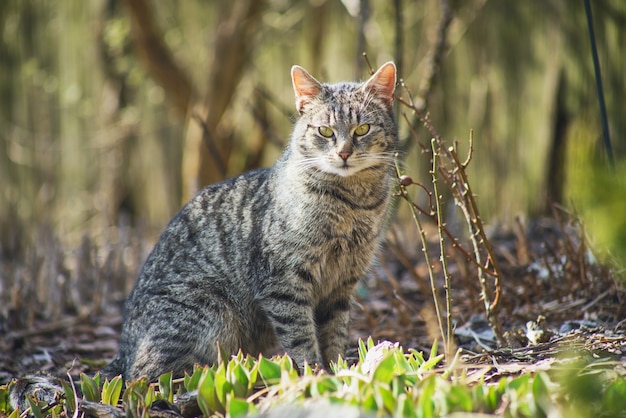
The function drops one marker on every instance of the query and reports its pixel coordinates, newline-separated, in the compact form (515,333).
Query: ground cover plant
(385,381)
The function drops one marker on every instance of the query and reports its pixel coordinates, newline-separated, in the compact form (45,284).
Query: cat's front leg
(333,317)
(293,322)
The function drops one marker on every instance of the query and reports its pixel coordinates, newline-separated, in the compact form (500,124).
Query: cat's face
(347,127)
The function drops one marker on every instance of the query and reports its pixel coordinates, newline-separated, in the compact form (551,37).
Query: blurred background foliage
(100,101)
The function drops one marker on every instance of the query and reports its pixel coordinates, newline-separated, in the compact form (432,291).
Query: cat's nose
(344,154)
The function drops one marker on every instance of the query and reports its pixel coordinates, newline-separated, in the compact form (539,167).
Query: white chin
(342,171)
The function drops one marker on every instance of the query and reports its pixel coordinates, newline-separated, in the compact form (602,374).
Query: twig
(47,328)
(266,95)
(456,179)
(596,68)
(399,35)
(442,249)
(431,272)
(455,242)
(208,140)
(369,64)
(263,124)
(470,209)
(363,19)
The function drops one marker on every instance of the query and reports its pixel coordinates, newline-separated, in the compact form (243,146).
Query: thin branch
(442,250)
(596,68)
(431,272)
(207,138)
(363,19)
(399,35)
(470,208)
(454,241)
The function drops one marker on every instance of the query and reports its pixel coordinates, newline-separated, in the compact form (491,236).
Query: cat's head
(344,128)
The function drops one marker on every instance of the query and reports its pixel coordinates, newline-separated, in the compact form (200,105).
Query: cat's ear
(304,85)
(383,82)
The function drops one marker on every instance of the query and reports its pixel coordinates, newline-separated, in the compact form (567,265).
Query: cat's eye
(362,129)
(326,131)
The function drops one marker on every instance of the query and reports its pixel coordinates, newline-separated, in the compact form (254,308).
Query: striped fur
(270,259)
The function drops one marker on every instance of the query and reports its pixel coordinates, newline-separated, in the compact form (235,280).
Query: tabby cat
(271,258)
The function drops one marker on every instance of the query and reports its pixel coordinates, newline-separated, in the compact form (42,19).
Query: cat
(271,258)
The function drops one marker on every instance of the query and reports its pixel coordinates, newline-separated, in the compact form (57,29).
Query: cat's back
(210,232)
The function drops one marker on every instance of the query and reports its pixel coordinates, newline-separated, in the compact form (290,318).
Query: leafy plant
(385,381)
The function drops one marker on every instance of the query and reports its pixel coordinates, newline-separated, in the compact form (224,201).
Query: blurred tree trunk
(157,58)
(234,38)
(555,171)
(361,43)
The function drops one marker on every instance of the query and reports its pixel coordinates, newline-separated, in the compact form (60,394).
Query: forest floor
(556,298)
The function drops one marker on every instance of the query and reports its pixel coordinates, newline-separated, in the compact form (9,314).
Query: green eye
(326,132)
(362,129)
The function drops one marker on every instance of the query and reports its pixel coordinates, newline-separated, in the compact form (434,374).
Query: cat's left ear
(305,86)
(383,82)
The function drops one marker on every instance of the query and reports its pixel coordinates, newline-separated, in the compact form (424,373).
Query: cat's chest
(338,246)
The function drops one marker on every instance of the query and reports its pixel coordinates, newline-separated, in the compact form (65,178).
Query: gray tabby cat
(271,258)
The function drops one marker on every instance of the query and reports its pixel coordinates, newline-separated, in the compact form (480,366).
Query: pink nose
(345,154)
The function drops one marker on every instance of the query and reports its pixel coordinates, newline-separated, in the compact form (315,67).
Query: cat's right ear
(305,86)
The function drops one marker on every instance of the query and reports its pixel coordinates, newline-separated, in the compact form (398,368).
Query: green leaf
(540,391)
(34,408)
(362,350)
(191,382)
(4,396)
(240,381)
(459,399)
(111,391)
(237,407)
(404,407)
(150,396)
(369,403)
(222,386)
(207,398)
(97,379)
(614,399)
(286,364)
(269,371)
(402,365)
(430,363)
(433,349)
(253,375)
(385,398)
(134,397)
(165,387)
(425,407)
(90,388)
(70,395)
(370,343)
(385,370)
(415,358)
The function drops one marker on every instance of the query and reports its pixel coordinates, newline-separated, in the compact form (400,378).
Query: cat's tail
(42,388)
